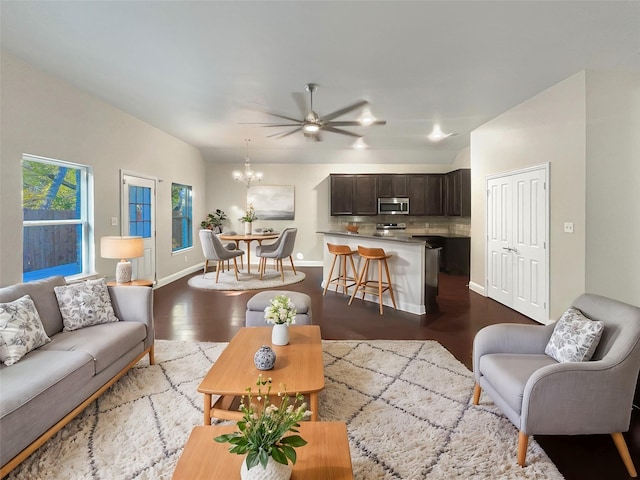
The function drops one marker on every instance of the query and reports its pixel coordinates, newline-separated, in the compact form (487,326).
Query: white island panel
(406,267)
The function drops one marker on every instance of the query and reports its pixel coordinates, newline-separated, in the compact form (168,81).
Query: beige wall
(586,127)
(44,116)
(548,128)
(613,185)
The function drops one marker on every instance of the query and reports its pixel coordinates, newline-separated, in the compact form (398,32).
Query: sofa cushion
(84,304)
(43,296)
(56,385)
(21,329)
(509,373)
(105,342)
(574,338)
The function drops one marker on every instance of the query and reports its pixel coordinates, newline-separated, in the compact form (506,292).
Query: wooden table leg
(248,242)
(314,406)
(207,409)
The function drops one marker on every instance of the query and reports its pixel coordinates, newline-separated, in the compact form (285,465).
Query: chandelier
(249,175)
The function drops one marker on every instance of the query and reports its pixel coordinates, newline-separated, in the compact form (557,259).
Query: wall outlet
(186,259)
(568,227)
(114,221)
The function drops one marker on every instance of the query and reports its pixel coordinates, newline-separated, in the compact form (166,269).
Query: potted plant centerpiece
(263,435)
(214,221)
(282,313)
(248,218)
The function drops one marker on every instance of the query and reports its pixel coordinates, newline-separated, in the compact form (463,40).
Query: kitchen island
(408,267)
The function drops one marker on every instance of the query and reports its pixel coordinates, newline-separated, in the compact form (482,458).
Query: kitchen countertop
(395,235)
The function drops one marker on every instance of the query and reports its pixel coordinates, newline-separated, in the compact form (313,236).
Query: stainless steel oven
(393,206)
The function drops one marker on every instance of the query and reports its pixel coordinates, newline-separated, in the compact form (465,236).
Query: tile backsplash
(417,225)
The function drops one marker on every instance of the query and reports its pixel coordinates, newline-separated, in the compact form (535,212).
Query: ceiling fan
(313,124)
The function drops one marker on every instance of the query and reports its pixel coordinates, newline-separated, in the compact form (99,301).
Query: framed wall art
(272,202)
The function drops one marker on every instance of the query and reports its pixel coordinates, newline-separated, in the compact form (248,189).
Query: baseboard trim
(474,287)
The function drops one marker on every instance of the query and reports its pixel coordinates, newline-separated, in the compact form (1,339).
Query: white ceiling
(198,69)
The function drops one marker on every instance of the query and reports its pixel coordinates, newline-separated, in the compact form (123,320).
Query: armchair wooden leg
(523,441)
(621,445)
(476,394)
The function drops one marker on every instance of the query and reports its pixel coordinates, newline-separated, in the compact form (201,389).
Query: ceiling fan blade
(285,134)
(340,131)
(346,123)
(284,117)
(344,110)
(269,124)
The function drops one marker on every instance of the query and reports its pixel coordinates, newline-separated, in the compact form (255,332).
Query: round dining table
(258,237)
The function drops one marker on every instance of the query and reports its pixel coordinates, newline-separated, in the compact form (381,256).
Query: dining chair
(213,249)
(281,248)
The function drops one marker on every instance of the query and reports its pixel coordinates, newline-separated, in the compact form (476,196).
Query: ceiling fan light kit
(312,124)
(437,135)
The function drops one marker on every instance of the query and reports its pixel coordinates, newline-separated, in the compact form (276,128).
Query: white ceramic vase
(280,334)
(274,471)
(247,228)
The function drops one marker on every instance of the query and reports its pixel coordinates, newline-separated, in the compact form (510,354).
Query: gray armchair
(213,249)
(281,248)
(544,397)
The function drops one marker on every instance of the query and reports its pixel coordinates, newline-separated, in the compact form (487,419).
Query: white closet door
(517,224)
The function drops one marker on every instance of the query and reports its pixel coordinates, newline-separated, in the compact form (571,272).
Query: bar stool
(374,287)
(342,280)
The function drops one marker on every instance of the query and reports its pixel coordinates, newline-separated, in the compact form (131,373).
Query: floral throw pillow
(85,304)
(21,330)
(574,338)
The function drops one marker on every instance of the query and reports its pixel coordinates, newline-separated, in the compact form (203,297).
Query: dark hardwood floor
(184,313)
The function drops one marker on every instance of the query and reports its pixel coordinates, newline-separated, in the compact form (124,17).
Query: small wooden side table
(138,283)
(326,456)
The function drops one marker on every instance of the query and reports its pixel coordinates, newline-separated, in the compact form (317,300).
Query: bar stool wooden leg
(393,298)
(328,281)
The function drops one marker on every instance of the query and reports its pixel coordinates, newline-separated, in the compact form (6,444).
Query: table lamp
(122,248)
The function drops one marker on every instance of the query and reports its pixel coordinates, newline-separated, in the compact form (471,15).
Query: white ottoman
(260,301)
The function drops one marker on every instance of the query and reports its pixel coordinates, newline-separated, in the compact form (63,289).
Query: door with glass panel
(138,219)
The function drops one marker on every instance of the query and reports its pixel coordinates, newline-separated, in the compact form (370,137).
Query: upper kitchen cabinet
(392,186)
(354,194)
(417,190)
(434,195)
(458,193)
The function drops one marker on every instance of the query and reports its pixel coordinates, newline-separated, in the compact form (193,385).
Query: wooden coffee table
(298,365)
(326,456)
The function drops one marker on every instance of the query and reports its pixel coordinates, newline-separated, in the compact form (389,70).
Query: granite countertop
(398,236)
(404,237)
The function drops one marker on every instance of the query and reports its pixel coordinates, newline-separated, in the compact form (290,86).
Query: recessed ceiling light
(359,144)
(437,134)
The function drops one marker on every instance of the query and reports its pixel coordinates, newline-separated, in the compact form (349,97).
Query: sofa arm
(509,338)
(134,304)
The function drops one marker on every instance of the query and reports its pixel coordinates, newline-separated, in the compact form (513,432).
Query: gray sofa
(50,385)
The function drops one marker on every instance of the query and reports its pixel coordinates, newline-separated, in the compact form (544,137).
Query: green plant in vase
(214,221)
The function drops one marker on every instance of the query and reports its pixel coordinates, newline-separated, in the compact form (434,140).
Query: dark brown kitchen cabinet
(434,195)
(392,186)
(458,193)
(416,188)
(354,194)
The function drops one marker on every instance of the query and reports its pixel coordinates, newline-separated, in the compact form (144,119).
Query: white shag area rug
(246,281)
(407,405)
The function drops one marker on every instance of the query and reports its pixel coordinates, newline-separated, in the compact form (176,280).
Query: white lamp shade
(121,247)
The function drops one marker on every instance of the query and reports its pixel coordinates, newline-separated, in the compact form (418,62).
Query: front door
(138,219)
(517,256)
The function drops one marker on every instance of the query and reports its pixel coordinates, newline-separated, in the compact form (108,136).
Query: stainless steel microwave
(393,206)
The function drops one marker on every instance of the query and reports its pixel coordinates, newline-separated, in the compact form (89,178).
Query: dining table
(248,238)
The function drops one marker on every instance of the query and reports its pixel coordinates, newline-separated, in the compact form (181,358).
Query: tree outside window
(182,220)
(55,202)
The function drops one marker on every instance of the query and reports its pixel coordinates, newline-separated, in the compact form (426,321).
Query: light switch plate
(568,227)
(114,221)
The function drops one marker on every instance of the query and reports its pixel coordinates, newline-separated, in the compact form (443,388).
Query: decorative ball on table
(281,313)
(265,358)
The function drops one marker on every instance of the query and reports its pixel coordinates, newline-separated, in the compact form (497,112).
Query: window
(181,221)
(56,205)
